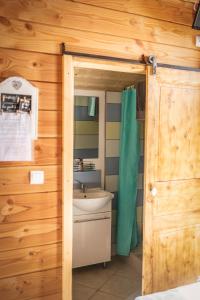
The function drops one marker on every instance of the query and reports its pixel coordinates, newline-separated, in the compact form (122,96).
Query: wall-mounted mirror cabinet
(89,130)
(86,127)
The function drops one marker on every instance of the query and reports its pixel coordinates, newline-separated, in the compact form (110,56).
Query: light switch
(37,177)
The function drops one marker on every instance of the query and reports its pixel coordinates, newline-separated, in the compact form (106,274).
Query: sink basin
(92,199)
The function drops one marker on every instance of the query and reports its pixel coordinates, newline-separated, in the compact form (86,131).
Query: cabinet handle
(89,220)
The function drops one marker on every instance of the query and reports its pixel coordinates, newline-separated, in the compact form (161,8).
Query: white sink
(92,199)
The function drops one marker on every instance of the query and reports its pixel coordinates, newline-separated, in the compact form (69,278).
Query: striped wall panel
(112,130)
(112,148)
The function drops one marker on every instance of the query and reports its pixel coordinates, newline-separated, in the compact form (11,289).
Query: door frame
(70,62)
(149,178)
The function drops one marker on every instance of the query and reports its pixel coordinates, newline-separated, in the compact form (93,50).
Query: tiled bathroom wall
(112,139)
(113,119)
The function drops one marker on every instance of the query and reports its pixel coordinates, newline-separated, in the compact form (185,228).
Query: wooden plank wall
(30,35)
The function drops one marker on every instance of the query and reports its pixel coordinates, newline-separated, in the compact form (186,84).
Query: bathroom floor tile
(121,279)
(104,296)
(130,267)
(81,292)
(93,276)
(133,296)
(121,286)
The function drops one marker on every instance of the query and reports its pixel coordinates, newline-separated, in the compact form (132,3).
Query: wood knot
(59,16)
(37,148)
(28,26)
(138,42)
(4,21)
(34,64)
(174,128)
(10,201)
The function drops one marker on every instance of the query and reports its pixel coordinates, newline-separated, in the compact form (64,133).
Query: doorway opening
(98,271)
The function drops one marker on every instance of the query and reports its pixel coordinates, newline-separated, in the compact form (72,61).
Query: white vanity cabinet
(92,237)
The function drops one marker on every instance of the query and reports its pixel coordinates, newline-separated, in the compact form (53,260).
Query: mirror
(86,127)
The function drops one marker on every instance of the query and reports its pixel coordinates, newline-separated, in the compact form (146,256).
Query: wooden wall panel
(33,285)
(174,11)
(30,65)
(49,123)
(17,180)
(48,39)
(49,95)
(29,260)
(75,15)
(26,207)
(29,234)
(47,151)
(50,297)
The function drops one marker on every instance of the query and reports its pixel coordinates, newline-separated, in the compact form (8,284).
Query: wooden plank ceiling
(30,36)
(92,79)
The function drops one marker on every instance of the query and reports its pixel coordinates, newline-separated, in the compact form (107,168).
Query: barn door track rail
(145,60)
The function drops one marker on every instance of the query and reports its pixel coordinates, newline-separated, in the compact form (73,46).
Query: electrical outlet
(198,41)
(37,177)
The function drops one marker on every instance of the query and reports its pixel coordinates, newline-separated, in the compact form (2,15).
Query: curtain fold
(127,233)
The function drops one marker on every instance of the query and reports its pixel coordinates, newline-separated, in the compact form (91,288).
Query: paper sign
(15,137)
(18,119)
(16,93)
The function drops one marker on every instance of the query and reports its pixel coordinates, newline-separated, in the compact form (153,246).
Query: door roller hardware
(153,61)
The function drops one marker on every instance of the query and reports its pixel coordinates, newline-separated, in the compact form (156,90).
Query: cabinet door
(91,242)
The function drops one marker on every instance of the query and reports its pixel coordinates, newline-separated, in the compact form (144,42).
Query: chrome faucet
(83,186)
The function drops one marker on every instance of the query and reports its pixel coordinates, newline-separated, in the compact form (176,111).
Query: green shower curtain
(127,233)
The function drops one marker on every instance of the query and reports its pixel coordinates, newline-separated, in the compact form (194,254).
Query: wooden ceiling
(104,80)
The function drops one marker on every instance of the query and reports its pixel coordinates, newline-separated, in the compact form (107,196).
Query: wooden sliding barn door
(172,180)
